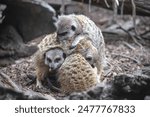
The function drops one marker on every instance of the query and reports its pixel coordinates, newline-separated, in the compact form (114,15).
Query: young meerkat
(76,74)
(48,59)
(73,26)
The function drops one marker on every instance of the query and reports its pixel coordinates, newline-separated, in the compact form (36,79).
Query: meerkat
(73,26)
(76,74)
(90,53)
(48,59)
(84,47)
(49,41)
(83,55)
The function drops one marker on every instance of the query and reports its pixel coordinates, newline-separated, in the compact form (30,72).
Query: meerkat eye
(92,66)
(57,60)
(62,34)
(49,60)
(89,58)
(73,28)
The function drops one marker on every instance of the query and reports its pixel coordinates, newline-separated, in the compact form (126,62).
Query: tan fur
(85,47)
(42,70)
(76,74)
(84,27)
(49,41)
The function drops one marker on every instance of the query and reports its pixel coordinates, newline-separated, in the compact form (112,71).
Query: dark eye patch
(88,58)
(49,60)
(62,34)
(57,59)
(73,28)
(92,66)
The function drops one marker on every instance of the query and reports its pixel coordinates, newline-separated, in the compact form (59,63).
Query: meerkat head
(54,58)
(89,56)
(88,51)
(67,27)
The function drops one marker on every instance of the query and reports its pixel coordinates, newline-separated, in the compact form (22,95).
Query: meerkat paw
(38,84)
(98,75)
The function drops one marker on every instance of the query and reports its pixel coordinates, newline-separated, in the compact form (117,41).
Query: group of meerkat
(75,54)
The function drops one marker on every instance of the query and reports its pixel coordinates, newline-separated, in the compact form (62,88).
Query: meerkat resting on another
(48,59)
(73,26)
(79,70)
(76,72)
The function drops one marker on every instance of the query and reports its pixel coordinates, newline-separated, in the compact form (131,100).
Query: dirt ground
(124,55)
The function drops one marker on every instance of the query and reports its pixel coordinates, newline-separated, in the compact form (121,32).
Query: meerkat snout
(54,59)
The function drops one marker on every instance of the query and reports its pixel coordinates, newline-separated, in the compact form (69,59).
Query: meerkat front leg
(98,75)
(38,83)
(39,79)
(98,70)
(41,73)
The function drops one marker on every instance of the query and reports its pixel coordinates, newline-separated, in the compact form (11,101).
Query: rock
(147,98)
(23,21)
(12,46)
(11,94)
(31,18)
(78,96)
